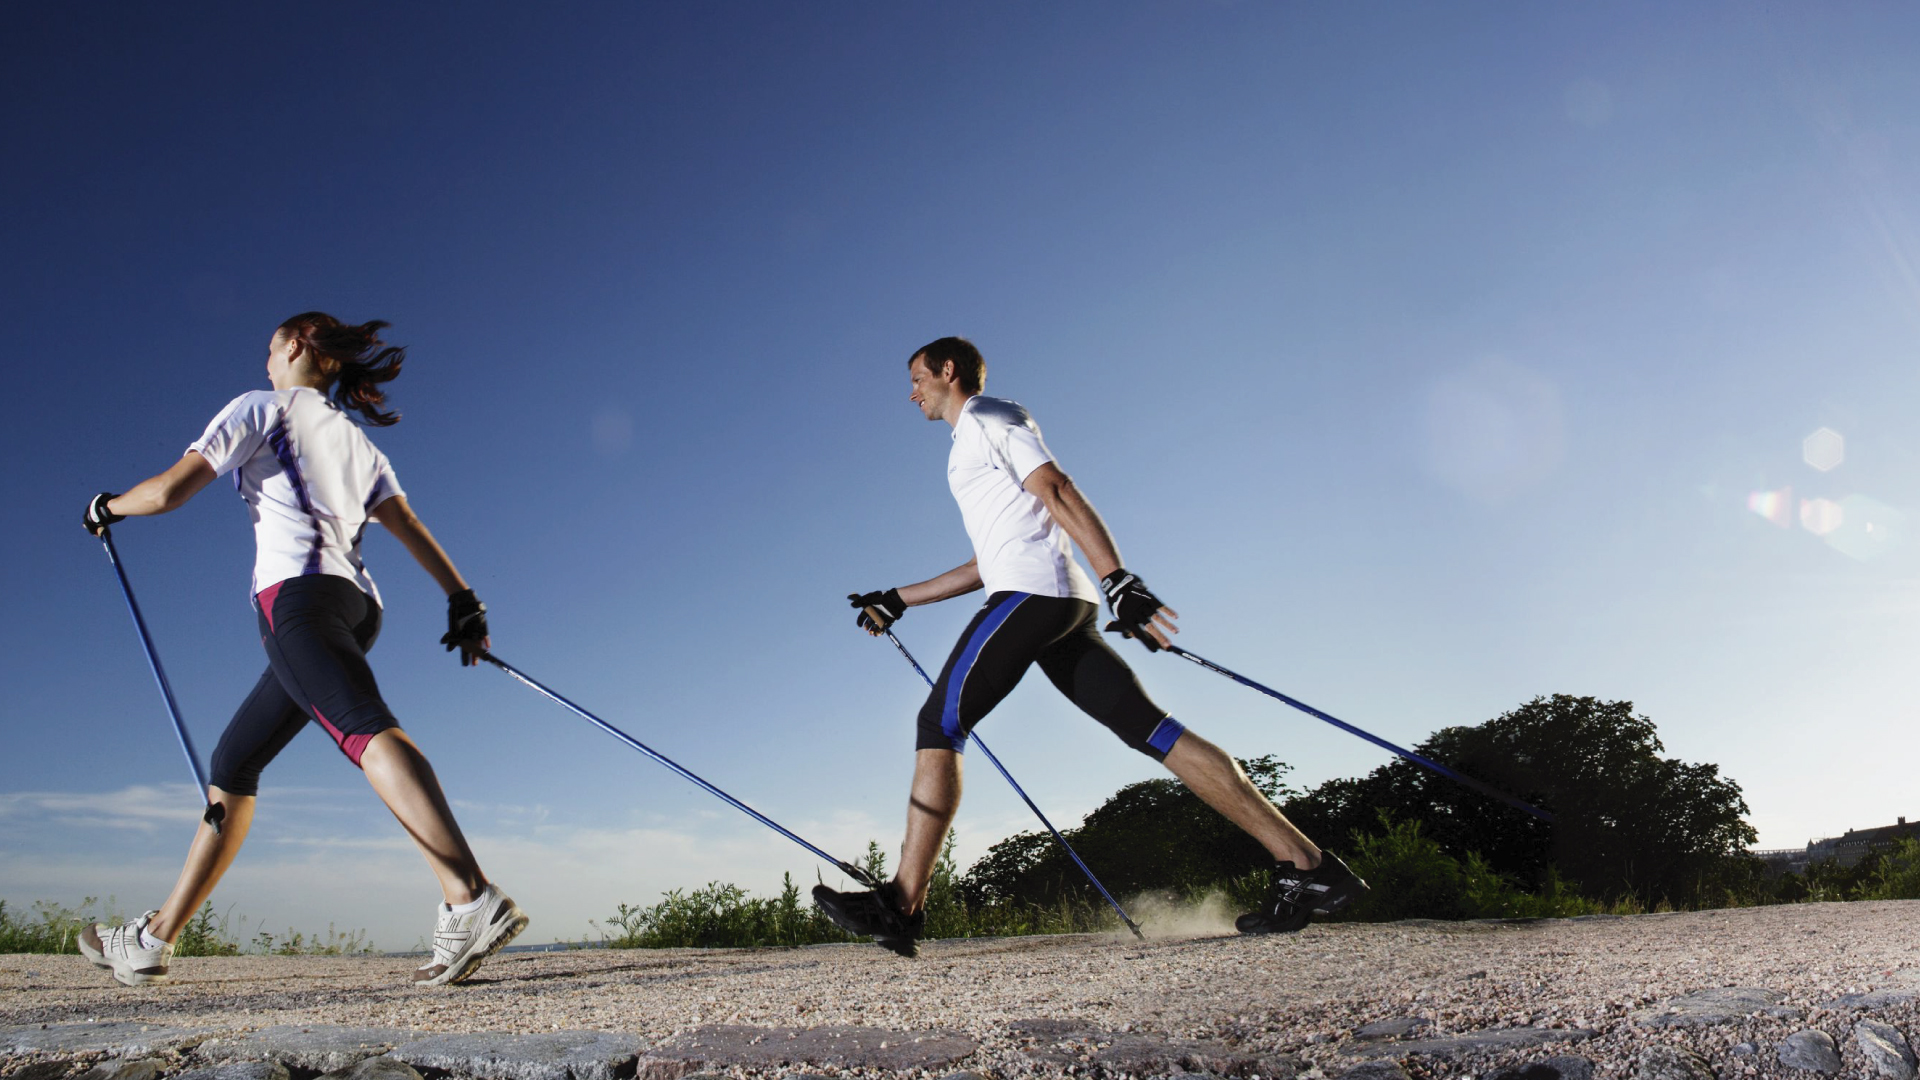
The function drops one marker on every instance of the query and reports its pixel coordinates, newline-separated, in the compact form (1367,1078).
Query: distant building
(1847,849)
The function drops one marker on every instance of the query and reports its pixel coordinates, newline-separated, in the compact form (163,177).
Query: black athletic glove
(98,516)
(466,623)
(1132,604)
(1134,632)
(878,610)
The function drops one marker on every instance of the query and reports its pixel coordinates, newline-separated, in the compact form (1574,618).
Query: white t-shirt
(309,476)
(1019,546)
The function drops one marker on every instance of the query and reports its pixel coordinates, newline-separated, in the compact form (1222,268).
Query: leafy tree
(1628,822)
(1154,835)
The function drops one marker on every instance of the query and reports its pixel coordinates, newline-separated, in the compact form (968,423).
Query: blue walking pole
(847,868)
(215,812)
(981,743)
(1417,759)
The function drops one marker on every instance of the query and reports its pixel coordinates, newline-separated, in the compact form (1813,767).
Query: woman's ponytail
(353,358)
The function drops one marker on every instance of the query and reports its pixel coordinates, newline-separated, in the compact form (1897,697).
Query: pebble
(1810,1051)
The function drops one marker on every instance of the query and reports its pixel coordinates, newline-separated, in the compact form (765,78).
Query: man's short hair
(969,367)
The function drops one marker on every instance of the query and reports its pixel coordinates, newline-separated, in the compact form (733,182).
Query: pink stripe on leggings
(351,745)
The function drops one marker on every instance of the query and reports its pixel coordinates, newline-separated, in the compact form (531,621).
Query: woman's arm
(401,521)
(168,491)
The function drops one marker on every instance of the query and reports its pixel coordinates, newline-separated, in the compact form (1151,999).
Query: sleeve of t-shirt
(1025,450)
(385,484)
(235,435)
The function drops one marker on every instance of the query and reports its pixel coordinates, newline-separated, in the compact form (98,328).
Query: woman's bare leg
(404,781)
(207,860)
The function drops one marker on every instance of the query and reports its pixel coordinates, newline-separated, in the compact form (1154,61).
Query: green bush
(1413,877)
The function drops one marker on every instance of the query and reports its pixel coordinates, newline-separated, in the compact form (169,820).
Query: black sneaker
(1298,895)
(875,913)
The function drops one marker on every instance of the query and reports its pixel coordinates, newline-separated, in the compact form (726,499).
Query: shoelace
(447,940)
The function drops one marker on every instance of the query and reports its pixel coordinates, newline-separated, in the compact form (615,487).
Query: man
(1024,515)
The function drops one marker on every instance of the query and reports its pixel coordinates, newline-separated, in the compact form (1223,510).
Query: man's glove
(466,623)
(1129,599)
(1134,632)
(878,610)
(98,516)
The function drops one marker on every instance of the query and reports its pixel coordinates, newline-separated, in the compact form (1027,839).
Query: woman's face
(280,352)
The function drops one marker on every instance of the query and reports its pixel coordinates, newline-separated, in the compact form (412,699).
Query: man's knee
(1155,739)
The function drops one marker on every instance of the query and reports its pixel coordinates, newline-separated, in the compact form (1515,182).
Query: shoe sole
(504,932)
(906,947)
(1350,890)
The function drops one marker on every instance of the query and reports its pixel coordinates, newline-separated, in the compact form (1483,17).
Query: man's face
(934,394)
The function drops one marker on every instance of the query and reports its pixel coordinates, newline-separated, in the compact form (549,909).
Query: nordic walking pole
(1122,912)
(847,868)
(1458,778)
(215,812)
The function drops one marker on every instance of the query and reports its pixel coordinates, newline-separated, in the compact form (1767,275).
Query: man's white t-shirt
(1020,548)
(310,478)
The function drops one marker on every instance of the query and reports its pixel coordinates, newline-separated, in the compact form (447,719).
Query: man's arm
(1084,524)
(962,579)
(1076,515)
(168,491)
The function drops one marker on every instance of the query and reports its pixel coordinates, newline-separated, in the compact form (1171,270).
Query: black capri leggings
(1015,630)
(317,630)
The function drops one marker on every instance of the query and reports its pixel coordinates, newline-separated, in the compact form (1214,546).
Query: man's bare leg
(1218,780)
(930,810)
(404,781)
(207,860)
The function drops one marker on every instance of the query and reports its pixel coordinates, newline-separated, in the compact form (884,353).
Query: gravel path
(1301,996)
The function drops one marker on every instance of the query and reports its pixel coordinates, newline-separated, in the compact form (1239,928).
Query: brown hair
(352,358)
(969,367)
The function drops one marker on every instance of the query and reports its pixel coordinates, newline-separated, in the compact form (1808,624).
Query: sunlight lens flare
(1820,516)
(1775,506)
(1824,449)
(1867,528)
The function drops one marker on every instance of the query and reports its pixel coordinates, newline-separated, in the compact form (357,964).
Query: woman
(311,480)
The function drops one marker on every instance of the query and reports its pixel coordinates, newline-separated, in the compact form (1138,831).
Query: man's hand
(98,517)
(466,626)
(1139,613)
(878,610)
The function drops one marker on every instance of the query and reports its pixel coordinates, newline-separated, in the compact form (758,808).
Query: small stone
(375,1068)
(43,1070)
(1811,1050)
(117,1038)
(1475,1042)
(1561,1067)
(1375,1070)
(1720,1005)
(321,1048)
(721,1046)
(547,1055)
(1872,999)
(1671,1063)
(144,1069)
(238,1070)
(1885,1049)
(1743,1049)
(1398,1027)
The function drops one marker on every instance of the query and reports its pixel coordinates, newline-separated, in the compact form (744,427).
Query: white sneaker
(461,940)
(119,949)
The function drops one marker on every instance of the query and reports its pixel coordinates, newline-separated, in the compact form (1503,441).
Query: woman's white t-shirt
(310,478)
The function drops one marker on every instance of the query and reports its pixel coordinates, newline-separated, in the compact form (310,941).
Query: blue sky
(1427,359)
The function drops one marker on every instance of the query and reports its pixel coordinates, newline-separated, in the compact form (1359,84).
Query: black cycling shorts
(1015,630)
(317,630)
